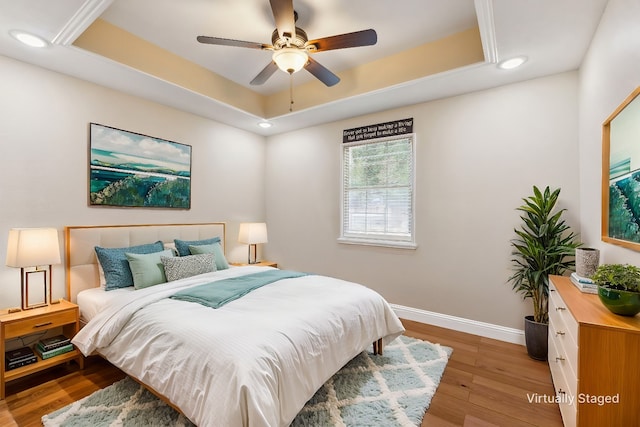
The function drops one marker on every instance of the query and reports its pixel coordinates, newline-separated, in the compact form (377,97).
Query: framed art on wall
(621,174)
(129,169)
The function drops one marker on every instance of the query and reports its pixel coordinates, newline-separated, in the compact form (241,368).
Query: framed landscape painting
(621,174)
(128,169)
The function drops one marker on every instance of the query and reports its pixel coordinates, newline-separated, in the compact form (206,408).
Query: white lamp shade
(290,59)
(32,247)
(252,233)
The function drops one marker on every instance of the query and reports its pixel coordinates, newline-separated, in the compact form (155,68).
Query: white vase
(587,261)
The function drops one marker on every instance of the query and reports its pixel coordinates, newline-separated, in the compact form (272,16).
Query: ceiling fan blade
(264,75)
(230,42)
(355,39)
(321,72)
(284,16)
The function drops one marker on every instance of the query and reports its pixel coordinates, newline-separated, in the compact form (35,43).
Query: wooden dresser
(594,356)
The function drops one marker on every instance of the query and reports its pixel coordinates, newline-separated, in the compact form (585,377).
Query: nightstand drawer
(39,323)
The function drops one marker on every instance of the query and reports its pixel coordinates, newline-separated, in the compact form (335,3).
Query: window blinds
(378,179)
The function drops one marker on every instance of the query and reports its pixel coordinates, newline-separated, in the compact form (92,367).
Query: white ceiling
(175,28)
(553,34)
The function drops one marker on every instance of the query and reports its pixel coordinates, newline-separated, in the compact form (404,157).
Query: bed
(254,361)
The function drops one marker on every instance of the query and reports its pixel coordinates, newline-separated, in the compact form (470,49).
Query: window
(377,192)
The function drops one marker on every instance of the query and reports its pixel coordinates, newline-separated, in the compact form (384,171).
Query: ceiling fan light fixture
(290,59)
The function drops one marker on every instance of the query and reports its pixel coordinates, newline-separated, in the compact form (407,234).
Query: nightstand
(259,264)
(63,315)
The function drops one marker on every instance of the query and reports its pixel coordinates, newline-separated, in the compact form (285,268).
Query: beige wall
(477,156)
(43,153)
(610,72)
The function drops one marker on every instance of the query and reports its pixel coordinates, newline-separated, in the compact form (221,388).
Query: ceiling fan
(291,46)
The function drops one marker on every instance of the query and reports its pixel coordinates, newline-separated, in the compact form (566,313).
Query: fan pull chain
(290,92)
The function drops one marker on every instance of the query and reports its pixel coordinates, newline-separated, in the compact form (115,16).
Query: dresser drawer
(565,384)
(563,352)
(560,315)
(39,323)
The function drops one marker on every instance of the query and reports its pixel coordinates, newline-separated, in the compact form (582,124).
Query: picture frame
(29,289)
(129,169)
(621,174)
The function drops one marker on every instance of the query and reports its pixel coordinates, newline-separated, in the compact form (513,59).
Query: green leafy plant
(621,277)
(544,245)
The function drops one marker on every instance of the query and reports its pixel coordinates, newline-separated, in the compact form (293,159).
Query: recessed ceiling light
(265,124)
(28,38)
(511,63)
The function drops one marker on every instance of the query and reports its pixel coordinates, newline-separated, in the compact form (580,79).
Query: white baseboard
(488,330)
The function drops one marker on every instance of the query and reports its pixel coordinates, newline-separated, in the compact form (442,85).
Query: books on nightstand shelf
(49,347)
(585,284)
(54,342)
(44,354)
(19,357)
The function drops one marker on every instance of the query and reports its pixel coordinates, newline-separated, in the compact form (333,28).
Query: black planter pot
(536,338)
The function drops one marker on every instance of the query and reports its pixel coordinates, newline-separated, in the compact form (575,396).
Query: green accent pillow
(115,266)
(147,269)
(215,249)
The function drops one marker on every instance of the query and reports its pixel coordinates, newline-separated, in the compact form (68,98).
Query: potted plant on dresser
(619,288)
(544,245)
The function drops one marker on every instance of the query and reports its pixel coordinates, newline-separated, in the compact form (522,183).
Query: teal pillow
(115,265)
(215,249)
(182,246)
(147,269)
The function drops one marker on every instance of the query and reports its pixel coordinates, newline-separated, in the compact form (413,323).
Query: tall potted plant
(543,245)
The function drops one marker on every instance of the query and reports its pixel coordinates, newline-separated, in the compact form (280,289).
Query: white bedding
(92,301)
(253,362)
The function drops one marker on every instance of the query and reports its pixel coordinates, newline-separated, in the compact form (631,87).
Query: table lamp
(33,250)
(253,233)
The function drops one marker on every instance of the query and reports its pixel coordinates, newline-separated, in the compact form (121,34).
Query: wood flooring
(485,384)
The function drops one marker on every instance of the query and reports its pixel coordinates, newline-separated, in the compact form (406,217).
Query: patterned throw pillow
(215,249)
(176,268)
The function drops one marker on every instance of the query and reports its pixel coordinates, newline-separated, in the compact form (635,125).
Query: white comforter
(253,362)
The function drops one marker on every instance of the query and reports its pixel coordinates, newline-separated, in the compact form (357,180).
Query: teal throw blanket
(218,293)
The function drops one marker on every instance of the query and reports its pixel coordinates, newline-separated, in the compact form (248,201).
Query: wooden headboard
(81,263)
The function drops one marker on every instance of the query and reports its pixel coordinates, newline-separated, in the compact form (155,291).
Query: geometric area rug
(389,390)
